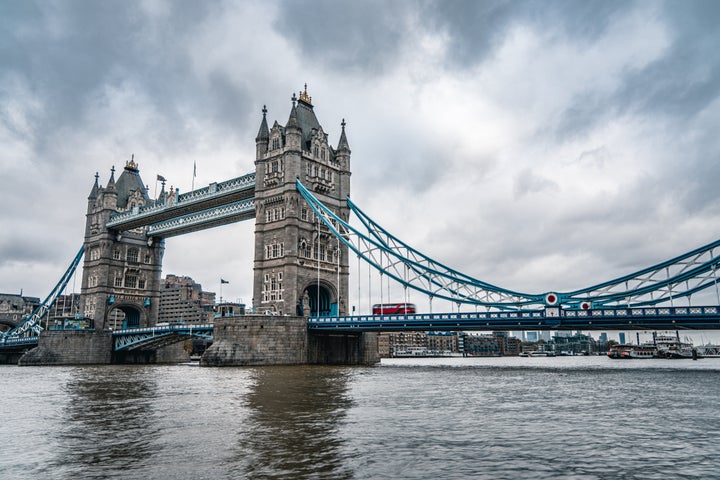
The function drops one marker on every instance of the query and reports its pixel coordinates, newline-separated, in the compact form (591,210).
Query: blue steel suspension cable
(596,293)
(435,282)
(638,288)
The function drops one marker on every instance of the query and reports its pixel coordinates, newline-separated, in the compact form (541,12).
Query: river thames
(495,418)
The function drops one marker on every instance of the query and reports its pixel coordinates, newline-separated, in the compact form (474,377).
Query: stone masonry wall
(343,349)
(70,347)
(284,340)
(257,340)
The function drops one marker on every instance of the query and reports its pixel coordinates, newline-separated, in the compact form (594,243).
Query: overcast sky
(535,145)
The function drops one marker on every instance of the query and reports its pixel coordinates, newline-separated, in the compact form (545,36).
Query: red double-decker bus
(393,308)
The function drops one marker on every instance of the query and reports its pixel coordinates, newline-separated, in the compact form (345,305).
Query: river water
(495,418)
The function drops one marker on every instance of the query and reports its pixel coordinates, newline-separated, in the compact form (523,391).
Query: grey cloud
(585,112)
(358,36)
(68,57)
(528,182)
(475,29)
(685,80)
(595,157)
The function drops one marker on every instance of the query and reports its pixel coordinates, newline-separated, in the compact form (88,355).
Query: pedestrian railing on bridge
(159,336)
(203,199)
(658,318)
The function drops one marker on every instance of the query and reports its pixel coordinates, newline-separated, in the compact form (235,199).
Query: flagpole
(194,174)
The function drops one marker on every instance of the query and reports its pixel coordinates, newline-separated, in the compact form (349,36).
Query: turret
(92,198)
(293,132)
(109,199)
(263,137)
(342,155)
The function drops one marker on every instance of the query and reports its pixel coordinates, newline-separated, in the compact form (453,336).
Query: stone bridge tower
(300,268)
(121,270)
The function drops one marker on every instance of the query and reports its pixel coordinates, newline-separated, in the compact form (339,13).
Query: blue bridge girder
(665,283)
(647,318)
(207,207)
(156,337)
(18,343)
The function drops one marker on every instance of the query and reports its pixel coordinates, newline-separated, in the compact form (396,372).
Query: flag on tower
(194,169)
(223,281)
(160,178)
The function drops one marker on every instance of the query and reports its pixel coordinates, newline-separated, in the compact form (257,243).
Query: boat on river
(671,347)
(662,346)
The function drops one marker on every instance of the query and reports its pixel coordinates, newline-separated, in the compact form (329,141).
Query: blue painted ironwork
(551,318)
(213,217)
(678,278)
(14,342)
(203,199)
(31,326)
(155,337)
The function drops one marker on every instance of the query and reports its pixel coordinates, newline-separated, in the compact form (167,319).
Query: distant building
(229,309)
(13,309)
(483,345)
(441,342)
(495,344)
(574,344)
(433,343)
(65,306)
(183,300)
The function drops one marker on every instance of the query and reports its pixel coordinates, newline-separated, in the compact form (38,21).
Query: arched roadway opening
(320,300)
(123,317)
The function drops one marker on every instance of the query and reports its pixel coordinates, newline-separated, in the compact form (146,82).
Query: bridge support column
(343,349)
(257,340)
(284,340)
(71,347)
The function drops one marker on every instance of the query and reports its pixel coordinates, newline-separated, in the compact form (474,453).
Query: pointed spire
(263,133)
(111,182)
(343,143)
(95,188)
(293,121)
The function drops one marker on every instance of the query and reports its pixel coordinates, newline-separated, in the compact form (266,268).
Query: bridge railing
(16,341)
(214,189)
(188,221)
(549,318)
(181,327)
(134,337)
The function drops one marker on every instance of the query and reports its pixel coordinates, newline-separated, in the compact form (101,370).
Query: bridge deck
(156,337)
(663,318)
(203,199)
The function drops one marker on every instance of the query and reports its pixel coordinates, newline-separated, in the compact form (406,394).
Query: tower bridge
(298,196)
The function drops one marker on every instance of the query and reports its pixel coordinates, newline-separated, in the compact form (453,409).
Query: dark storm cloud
(476,28)
(358,36)
(68,56)
(684,80)
(679,84)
